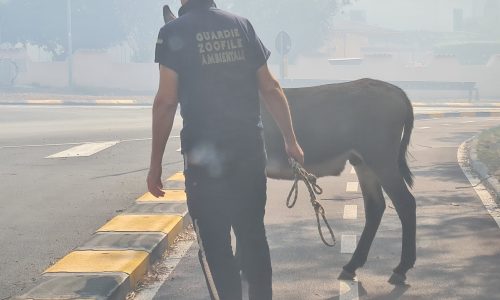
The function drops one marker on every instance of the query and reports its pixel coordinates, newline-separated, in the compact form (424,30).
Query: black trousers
(231,194)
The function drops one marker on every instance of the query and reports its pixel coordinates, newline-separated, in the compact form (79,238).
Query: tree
(99,24)
(96,24)
(307,22)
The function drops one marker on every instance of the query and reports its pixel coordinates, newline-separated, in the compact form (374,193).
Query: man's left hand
(155,186)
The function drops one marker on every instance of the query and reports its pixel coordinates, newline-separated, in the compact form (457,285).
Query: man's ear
(168,15)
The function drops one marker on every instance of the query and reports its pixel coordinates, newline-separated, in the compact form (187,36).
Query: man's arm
(275,100)
(164,109)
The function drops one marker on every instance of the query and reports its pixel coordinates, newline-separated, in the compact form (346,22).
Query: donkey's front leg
(374,210)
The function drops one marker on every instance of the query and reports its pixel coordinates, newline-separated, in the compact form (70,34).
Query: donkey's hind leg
(374,210)
(404,202)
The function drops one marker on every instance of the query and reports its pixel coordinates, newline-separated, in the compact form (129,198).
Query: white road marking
(423,128)
(349,290)
(445,124)
(353,171)
(169,264)
(350,212)
(84,150)
(483,193)
(348,244)
(352,187)
(467,122)
(179,150)
(76,143)
(72,144)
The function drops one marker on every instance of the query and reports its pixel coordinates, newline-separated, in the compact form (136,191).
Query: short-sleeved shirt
(216,55)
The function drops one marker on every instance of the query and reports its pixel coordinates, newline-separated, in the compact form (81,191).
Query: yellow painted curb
(117,101)
(142,223)
(50,102)
(170,196)
(437,115)
(134,263)
(177,177)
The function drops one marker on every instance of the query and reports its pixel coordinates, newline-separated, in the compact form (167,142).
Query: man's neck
(195,4)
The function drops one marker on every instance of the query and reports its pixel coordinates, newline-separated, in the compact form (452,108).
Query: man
(214,63)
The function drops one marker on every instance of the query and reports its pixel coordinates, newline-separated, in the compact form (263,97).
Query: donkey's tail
(405,142)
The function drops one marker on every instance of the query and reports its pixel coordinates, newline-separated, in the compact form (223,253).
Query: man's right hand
(295,151)
(155,186)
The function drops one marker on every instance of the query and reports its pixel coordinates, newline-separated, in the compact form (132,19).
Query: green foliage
(307,22)
(488,150)
(97,24)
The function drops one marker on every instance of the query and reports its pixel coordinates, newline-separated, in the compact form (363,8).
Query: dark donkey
(369,123)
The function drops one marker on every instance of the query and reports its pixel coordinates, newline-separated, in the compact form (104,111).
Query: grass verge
(488,151)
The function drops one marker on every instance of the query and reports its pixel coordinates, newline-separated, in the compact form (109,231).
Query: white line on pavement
(84,150)
(423,127)
(350,212)
(169,264)
(353,171)
(352,187)
(348,244)
(349,290)
(76,143)
(483,193)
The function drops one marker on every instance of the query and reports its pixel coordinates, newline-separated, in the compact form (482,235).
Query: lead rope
(314,189)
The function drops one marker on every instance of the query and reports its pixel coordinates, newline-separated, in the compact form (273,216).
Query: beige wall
(390,69)
(92,70)
(46,74)
(96,70)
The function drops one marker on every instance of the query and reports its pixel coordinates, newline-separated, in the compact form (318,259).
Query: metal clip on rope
(314,189)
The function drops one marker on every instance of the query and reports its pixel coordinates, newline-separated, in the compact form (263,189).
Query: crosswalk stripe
(352,187)
(350,212)
(348,244)
(349,290)
(84,150)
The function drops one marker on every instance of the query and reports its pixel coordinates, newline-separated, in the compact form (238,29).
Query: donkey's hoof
(348,276)
(397,279)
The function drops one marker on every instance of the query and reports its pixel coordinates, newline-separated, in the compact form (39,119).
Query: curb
(98,102)
(482,170)
(116,258)
(457,104)
(134,102)
(477,174)
(483,114)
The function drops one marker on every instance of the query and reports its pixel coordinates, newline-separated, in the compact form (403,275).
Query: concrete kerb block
(481,114)
(179,208)
(479,168)
(174,185)
(156,244)
(63,286)
(111,263)
(70,102)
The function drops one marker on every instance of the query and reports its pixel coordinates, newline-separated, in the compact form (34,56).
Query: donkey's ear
(168,15)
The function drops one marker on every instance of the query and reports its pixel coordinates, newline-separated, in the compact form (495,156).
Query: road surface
(48,206)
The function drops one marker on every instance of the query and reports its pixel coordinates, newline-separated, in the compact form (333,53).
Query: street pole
(70,43)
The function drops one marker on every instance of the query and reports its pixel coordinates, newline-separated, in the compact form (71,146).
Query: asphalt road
(50,206)
(458,242)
